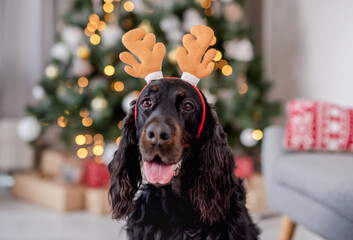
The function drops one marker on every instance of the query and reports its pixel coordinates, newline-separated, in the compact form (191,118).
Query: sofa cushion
(318,126)
(324,177)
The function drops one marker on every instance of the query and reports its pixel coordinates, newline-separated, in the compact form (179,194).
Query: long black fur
(207,202)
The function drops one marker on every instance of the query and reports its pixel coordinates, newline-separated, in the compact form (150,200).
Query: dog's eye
(188,106)
(146,103)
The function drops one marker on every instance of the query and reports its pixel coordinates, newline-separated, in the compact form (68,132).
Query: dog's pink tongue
(158,172)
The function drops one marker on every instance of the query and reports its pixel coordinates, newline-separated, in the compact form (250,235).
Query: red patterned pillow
(313,125)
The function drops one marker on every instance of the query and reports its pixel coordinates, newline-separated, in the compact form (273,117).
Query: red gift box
(95,174)
(244,167)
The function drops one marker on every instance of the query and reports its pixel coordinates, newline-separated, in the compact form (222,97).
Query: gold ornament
(93,17)
(257,134)
(218,56)
(117,86)
(62,121)
(214,40)
(80,139)
(84,112)
(108,7)
(83,52)
(82,82)
(222,63)
(209,11)
(109,17)
(129,6)
(82,153)
(227,70)
(172,56)
(102,26)
(146,24)
(120,124)
(98,150)
(87,121)
(205,3)
(88,139)
(257,116)
(242,83)
(109,70)
(98,137)
(95,39)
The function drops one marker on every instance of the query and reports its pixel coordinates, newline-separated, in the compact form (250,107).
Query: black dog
(194,193)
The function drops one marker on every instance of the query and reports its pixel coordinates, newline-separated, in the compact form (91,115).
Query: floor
(20,220)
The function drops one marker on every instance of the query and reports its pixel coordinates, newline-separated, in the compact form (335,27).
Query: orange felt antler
(144,47)
(195,45)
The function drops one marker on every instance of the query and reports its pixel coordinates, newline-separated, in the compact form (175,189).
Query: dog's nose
(158,133)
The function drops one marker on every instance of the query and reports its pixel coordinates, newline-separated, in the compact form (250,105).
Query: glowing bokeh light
(95,39)
(62,121)
(129,6)
(109,70)
(82,153)
(108,7)
(218,56)
(80,139)
(84,112)
(87,121)
(82,82)
(118,86)
(257,134)
(98,150)
(227,70)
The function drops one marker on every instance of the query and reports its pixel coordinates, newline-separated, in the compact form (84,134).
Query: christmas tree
(86,92)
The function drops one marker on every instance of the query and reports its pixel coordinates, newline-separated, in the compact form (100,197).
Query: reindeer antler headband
(192,57)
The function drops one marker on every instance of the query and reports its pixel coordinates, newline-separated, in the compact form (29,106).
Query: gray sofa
(314,189)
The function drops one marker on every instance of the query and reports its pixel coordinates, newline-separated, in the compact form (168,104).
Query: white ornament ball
(170,23)
(241,50)
(174,36)
(28,128)
(82,67)
(246,137)
(109,151)
(125,104)
(191,18)
(111,35)
(99,103)
(72,37)
(38,92)
(233,12)
(60,51)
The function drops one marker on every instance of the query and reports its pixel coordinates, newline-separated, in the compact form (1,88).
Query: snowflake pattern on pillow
(312,125)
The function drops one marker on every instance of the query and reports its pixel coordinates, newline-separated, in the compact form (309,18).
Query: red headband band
(202,100)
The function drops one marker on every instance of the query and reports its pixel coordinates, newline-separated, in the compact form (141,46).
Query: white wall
(308,49)
(27,30)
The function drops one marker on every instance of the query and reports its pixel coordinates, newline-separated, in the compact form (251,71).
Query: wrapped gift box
(15,154)
(256,195)
(48,193)
(61,166)
(96,200)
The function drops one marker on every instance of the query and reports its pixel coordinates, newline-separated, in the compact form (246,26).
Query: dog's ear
(213,187)
(124,169)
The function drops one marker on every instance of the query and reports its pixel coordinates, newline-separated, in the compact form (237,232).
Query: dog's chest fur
(160,214)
